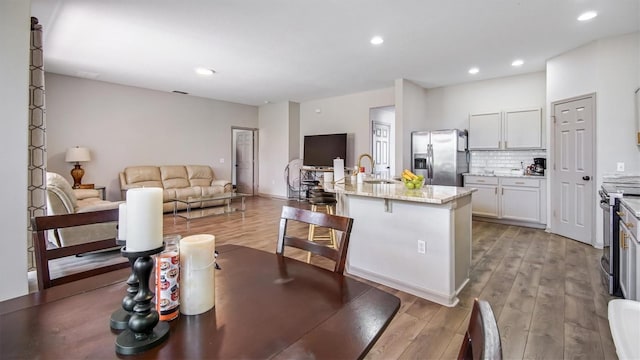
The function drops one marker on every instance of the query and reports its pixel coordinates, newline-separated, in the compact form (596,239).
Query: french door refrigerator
(441,156)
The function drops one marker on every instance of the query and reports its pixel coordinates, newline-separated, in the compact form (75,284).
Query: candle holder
(144,330)
(120,318)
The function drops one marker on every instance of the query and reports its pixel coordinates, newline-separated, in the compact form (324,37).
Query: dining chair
(40,226)
(336,222)
(482,338)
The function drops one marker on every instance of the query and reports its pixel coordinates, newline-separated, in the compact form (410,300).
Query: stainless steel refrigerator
(441,156)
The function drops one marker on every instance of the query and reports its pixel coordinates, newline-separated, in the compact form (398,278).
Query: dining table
(266,306)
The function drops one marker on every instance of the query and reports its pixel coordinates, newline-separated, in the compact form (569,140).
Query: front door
(572,190)
(244,149)
(381,155)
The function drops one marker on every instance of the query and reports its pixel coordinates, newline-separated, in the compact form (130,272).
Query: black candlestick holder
(144,330)
(120,318)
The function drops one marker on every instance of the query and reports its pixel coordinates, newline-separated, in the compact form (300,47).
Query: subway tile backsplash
(502,160)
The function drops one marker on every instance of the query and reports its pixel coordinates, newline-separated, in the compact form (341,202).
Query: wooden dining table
(266,306)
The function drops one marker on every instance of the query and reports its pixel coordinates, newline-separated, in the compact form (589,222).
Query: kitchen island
(417,241)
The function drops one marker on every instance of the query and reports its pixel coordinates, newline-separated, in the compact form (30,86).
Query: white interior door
(573,197)
(381,149)
(244,161)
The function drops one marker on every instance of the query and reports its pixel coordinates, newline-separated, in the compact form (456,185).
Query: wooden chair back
(41,224)
(335,222)
(482,339)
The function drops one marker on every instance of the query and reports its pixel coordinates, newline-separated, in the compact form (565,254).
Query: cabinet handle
(520,182)
(620,213)
(623,243)
(480,180)
(499,144)
(505,144)
(501,191)
(629,225)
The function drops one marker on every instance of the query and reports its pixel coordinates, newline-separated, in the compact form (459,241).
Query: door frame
(254,152)
(552,219)
(392,136)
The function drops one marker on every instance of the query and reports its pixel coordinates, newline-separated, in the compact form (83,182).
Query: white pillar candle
(144,219)
(122,221)
(197,280)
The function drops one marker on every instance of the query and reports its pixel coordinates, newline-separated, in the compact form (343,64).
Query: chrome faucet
(360,161)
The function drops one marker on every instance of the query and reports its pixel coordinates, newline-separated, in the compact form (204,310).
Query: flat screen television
(320,150)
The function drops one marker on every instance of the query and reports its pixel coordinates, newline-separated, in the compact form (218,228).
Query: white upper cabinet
(523,129)
(485,131)
(506,130)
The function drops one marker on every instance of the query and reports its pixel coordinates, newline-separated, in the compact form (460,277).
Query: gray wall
(125,126)
(14,89)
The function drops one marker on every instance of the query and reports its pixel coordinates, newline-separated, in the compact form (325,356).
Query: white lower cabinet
(485,200)
(629,255)
(517,199)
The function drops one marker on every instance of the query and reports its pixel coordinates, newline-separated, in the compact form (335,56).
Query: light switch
(620,166)
(221,160)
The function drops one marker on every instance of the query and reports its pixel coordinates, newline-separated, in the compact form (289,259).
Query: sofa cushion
(148,176)
(174,177)
(185,193)
(212,190)
(199,175)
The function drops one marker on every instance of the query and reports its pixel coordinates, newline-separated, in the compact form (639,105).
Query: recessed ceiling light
(474,71)
(587,16)
(376,40)
(517,62)
(204,71)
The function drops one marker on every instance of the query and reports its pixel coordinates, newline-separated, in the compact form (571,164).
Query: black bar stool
(326,201)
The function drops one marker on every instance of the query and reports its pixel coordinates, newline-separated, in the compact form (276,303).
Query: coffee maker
(539,165)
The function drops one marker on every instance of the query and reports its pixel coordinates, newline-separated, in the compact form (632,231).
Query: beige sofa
(62,199)
(177,182)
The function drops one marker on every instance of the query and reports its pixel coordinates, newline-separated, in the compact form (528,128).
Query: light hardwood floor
(545,290)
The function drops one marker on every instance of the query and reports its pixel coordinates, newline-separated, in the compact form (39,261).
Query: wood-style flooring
(545,289)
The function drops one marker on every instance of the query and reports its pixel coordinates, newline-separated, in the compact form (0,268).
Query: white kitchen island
(390,224)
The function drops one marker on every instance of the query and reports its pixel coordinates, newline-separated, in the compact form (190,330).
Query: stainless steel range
(610,196)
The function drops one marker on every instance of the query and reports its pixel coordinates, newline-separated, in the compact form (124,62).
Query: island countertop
(432,194)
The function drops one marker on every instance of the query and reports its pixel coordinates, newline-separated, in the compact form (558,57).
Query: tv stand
(309,178)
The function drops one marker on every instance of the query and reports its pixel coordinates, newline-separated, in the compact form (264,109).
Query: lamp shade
(77,154)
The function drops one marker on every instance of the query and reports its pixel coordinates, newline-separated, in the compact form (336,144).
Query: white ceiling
(298,50)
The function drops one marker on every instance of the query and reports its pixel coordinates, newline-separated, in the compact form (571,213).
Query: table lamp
(76,155)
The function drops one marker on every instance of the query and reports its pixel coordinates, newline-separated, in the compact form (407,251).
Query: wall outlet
(620,166)
(221,160)
(422,247)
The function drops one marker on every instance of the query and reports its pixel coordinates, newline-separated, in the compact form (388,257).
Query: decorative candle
(197,281)
(122,221)
(144,219)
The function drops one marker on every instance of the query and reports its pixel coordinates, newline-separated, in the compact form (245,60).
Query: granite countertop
(432,194)
(500,174)
(633,203)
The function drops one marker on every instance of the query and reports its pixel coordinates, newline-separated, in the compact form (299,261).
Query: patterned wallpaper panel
(37,204)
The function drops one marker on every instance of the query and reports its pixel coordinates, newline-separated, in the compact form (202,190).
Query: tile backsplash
(502,160)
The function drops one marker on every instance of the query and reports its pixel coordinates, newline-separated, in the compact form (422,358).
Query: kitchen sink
(380,181)
(624,317)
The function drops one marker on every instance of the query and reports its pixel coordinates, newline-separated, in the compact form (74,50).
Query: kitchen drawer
(520,182)
(630,221)
(480,180)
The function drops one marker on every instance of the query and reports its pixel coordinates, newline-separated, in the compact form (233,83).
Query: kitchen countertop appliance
(610,194)
(441,156)
(539,166)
